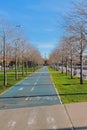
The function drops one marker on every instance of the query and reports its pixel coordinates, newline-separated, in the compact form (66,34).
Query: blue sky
(41,20)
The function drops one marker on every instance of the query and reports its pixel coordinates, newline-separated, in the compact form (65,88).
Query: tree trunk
(19,65)
(71,70)
(62,65)
(81,62)
(81,66)
(26,67)
(66,66)
(22,66)
(16,71)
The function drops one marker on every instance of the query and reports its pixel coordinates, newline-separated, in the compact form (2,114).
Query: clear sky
(39,18)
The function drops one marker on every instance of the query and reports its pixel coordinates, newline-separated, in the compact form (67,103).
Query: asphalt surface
(36,90)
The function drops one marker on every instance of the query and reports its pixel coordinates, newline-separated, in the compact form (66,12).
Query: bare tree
(77,26)
(4,34)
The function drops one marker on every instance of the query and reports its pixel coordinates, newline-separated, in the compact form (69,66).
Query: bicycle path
(36,90)
(33,104)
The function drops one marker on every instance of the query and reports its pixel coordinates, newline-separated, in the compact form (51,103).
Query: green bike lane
(36,90)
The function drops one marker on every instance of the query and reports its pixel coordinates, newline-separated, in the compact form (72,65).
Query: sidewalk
(55,117)
(78,115)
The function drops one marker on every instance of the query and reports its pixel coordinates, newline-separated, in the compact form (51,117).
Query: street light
(16,72)
(4,60)
(16,50)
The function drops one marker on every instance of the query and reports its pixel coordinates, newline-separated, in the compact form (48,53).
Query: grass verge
(70,90)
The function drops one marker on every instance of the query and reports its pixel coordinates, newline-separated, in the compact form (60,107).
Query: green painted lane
(36,90)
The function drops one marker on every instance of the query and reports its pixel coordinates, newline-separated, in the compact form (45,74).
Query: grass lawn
(70,90)
(11,78)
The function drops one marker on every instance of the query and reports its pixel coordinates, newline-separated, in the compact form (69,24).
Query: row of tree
(72,46)
(15,50)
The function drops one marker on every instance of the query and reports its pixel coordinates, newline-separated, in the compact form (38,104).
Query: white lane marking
(26,99)
(30,99)
(37,80)
(20,89)
(11,124)
(34,84)
(32,89)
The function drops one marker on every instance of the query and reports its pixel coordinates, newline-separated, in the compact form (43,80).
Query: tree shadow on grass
(66,84)
(69,84)
(73,94)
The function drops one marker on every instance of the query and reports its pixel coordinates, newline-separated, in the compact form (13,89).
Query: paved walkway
(55,117)
(33,104)
(36,90)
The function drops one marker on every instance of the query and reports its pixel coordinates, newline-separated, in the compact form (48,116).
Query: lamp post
(23,60)
(16,54)
(16,71)
(4,59)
